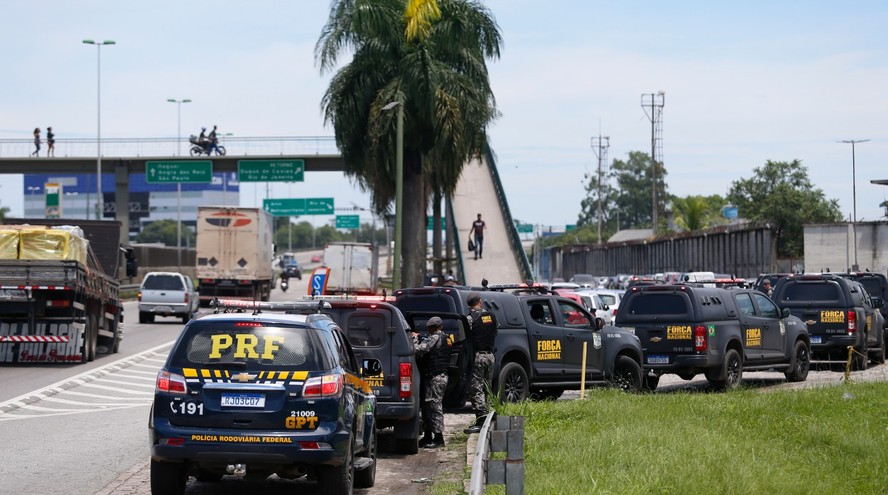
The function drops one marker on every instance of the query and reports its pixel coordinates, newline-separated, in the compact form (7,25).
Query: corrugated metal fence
(744,251)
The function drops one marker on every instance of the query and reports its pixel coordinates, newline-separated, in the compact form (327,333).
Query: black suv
(257,392)
(876,285)
(687,330)
(377,330)
(539,346)
(839,314)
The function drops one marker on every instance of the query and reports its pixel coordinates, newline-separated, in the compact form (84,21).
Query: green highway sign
(348,222)
(161,172)
(319,206)
(570,227)
(284,207)
(291,207)
(524,228)
(271,170)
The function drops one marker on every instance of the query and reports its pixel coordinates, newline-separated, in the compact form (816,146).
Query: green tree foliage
(164,231)
(697,212)
(3,212)
(781,194)
(305,236)
(429,56)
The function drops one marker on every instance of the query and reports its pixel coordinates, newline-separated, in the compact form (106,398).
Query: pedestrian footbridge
(479,189)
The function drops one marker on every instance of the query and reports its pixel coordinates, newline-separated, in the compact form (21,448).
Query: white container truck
(234,253)
(353,268)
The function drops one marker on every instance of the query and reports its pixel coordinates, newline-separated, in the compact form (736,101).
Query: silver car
(167,294)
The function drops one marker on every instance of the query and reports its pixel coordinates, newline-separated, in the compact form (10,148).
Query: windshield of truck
(163,282)
(872,285)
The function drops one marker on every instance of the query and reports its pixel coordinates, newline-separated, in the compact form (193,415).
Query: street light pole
(399,190)
(99,207)
(179,120)
(854,192)
(179,184)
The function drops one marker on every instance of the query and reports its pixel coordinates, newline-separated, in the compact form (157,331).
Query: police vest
(437,359)
(484,328)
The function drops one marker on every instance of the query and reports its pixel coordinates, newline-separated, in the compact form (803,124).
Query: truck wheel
(408,446)
(861,359)
(880,354)
(186,317)
(513,386)
(167,478)
(365,478)
(92,336)
(627,374)
(731,372)
(339,480)
(800,363)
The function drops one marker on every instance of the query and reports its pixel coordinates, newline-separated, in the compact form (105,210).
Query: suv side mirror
(784,312)
(371,367)
(878,302)
(599,323)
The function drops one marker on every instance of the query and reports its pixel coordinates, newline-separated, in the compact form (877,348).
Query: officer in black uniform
(482,332)
(434,358)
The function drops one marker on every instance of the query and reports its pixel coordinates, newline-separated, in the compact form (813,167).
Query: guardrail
(499,434)
(514,239)
(124,147)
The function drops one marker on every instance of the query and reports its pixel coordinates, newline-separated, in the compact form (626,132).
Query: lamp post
(854,193)
(179,120)
(99,207)
(399,190)
(179,184)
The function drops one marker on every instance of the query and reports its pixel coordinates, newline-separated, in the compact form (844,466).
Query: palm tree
(429,56)
(693,213)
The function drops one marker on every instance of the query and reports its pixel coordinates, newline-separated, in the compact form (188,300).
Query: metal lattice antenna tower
(653,107)
(600,145)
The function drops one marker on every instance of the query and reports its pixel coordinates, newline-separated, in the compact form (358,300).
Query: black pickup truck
(539,346)
(839,313)
(688,330)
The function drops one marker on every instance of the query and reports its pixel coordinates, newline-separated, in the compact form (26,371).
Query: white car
(610,297)
(167,294)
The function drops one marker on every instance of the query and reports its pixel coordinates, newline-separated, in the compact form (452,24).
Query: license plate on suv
(243,400)
(658,360)
(815,339)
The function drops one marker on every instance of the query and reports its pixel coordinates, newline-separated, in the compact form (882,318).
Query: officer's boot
(426,439)
(479,422)
(438,441)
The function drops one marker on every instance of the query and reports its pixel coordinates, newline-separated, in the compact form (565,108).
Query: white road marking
(85,379)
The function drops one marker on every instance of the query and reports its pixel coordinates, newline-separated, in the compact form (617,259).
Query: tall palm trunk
(413,244)
(436,231)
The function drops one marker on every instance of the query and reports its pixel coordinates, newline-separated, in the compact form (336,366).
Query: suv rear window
(255,347)
(820,292)
(366,330)
(654,304)
(872,285)
(162,282)
(433,303)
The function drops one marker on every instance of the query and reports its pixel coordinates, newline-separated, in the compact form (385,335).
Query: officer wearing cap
(434,358)
(766,287)
(482,332)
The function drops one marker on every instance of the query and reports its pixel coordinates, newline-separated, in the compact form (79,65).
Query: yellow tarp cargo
(51,244)
(9,244)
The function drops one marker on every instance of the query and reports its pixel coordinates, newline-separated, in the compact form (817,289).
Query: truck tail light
(406,380)
(700,338)
(852,322)
(186,298)
(323,386)
(170,382)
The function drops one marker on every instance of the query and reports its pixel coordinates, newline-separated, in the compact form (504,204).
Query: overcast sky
(744,82)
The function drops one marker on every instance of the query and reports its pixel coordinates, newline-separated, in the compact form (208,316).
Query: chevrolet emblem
(810,322)
(243,377)
(656,339)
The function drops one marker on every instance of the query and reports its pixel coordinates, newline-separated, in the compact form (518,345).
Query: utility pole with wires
(854,142)
(600,145)
(653,107)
